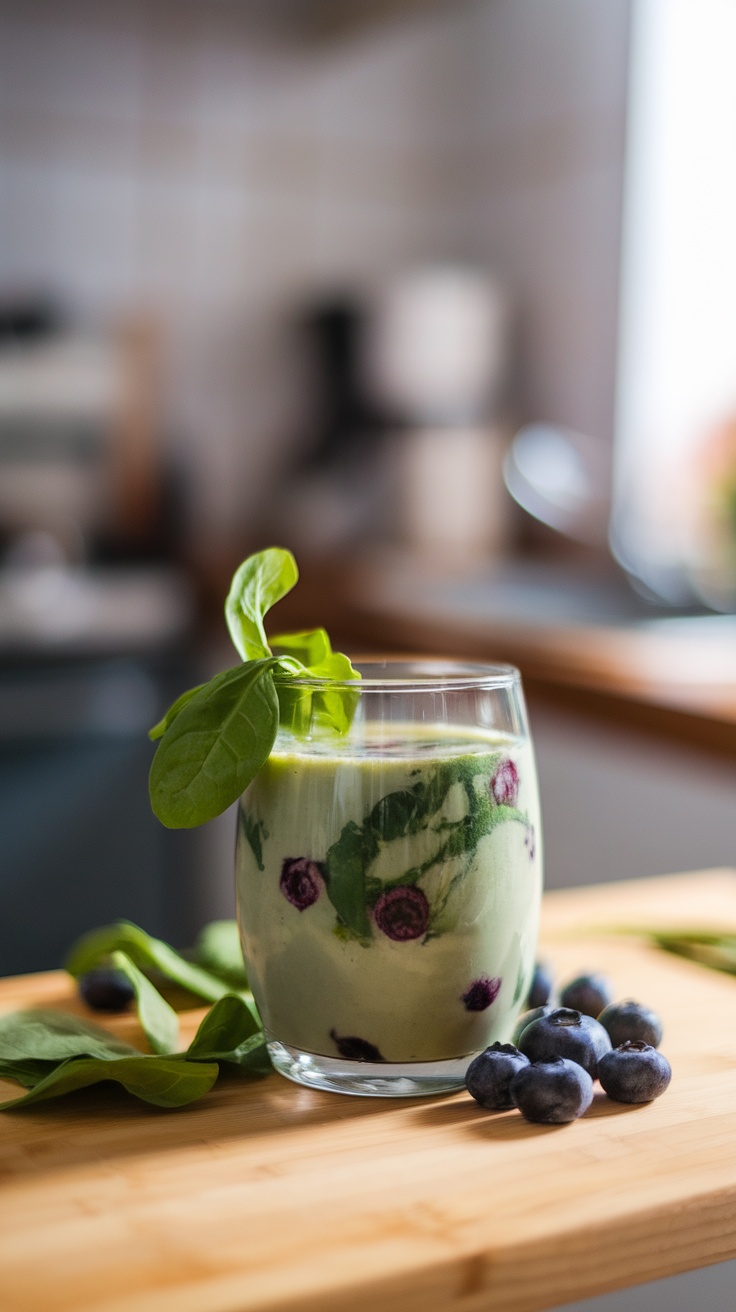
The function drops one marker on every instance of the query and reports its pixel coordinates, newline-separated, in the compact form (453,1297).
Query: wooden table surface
(268,1196)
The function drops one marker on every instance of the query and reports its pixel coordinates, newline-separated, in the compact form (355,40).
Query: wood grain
(267,1196)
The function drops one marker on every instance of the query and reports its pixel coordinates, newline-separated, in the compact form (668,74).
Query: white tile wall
(176,153)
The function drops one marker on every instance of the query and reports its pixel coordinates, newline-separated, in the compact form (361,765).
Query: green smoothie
(389,900)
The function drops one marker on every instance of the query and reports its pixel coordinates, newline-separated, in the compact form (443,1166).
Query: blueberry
(629,1020)
(301,881)
(526,1019)
(402,913)
(481,993)
(587,993)
(566,1033)
(105,989)
(505,784)
(552,1092)
(488,1077)
(355,1049)
(634,1072)
(540,990)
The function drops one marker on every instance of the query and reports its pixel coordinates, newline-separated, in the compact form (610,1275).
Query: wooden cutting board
(269,1196)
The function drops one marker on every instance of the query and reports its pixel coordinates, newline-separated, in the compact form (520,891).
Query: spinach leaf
(346,865)
(215,737)
(718,951)
(309,646)
(223,1032)
(159,1021)
(42,1034)
(162,1081)
(261,581)
(159,729)
(215,746)
(306,709)
(33,1043)
(28,1072)
(218,950)
(148,953)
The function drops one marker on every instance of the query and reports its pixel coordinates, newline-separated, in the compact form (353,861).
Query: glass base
(413,1079)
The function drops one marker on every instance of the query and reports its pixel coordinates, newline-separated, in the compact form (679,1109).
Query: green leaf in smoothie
(346,865)
(354,891)
(215,746)
(254,832)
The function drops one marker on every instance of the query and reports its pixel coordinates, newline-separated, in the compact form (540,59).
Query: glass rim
(423,674)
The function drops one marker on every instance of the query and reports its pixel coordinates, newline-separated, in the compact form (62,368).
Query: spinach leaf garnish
(159,729)
(215,737)
(215,746)
(261,581)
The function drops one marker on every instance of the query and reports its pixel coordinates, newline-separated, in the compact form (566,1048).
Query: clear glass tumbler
(389,878)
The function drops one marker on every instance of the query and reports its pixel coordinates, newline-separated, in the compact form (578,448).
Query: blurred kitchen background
(441,294)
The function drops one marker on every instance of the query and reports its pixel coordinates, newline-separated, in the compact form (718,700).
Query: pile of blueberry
(557,1053)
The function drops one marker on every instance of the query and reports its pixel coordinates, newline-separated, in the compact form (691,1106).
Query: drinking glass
(389,876)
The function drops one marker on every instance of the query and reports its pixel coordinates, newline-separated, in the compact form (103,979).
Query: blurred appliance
(561,478)
(434,358)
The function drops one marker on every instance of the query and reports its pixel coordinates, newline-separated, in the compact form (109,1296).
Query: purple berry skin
(301,881)
(540,989)
(566,1033)
(634,1072)
(505,783)
(105,989)
(553,1092)
(526,1019)
(482,992)
(402,913)
(355,1049)
(587,993)
(630,1020)
(488,1078)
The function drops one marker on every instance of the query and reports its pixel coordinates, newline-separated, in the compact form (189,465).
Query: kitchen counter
(582,641)
(268,1196)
